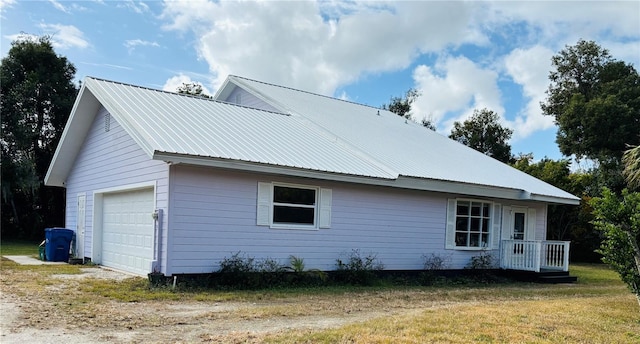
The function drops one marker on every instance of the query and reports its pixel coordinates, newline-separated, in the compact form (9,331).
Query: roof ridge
(212,99)
(147,88)
(307,92)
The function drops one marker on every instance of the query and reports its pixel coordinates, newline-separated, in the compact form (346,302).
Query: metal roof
(164,123)
(313,135)
(403,145)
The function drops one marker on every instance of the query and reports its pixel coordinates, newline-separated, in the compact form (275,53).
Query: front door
(518,228)
(518,223)
(80,223)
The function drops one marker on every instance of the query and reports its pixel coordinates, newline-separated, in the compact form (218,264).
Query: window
(518,225)
(470,224)
(293,206)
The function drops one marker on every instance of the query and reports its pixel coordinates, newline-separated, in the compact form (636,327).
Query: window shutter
(531,225)
(325,208)
(451,224)
(506,223)
(497,224)
(263,217)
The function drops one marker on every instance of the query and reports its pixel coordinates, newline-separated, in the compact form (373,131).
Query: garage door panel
(128,230)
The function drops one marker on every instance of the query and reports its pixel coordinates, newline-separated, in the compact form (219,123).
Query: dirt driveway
(54,309)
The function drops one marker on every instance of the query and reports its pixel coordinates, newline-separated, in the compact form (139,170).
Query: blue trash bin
(57,243)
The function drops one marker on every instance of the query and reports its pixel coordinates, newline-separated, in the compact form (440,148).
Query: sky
(460,56)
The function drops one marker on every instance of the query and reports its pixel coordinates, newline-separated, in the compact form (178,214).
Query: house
(158,181)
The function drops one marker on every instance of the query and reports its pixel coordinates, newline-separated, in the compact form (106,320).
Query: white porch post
(565,265)
(537,255)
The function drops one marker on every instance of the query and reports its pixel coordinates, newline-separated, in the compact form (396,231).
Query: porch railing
(534,255)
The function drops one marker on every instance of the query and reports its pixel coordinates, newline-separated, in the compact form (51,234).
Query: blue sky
(461,56)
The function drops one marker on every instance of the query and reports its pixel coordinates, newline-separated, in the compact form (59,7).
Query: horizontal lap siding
(214,215)
(110,159)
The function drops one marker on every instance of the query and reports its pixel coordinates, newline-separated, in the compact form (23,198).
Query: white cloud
(452,89)
(59,6)
(78,7)
(131,44)
(107,65)
(319,46)
(172,84)
(136,6)
(65,36)
(567,21)
(22,37)
(530,68)
(628,52)
(4,4)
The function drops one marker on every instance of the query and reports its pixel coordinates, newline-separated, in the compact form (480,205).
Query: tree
(402,106)
(37,97)
(619,220)
(631,160)
(429,123)
(595,101)
(484,133)
(193,89)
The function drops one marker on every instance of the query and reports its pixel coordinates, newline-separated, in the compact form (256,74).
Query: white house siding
(213,216)
(541,221)
(111,159)
(248,99)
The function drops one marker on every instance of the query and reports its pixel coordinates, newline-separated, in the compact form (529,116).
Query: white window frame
(295,205)
(452,214)
(266,204)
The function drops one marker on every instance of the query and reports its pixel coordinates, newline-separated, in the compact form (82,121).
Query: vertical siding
(541,221)
(213,215)
(110,159)
(248,99)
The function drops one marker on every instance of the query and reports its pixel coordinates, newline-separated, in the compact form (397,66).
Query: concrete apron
(27,260)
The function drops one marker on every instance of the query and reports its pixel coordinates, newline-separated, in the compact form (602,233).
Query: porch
(534,255)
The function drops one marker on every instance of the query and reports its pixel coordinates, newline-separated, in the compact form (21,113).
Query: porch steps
(555,277)
(545,276)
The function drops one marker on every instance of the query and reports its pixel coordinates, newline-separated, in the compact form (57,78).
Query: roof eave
(250,166)
(554,199)
(224,90)
(433,185)
(238,82)
(80,119)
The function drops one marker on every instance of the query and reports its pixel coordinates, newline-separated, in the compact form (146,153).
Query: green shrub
(237,263)
(436,262)
(481,262)
(244,272)
(358,269)
(433,263)
(300,276)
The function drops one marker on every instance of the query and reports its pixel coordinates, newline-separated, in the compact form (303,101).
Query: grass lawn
(599,308)
(19,248)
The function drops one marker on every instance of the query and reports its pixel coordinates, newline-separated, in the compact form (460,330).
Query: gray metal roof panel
(173,123)
(405,146)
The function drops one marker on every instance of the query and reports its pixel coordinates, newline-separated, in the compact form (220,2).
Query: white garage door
(127,231)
